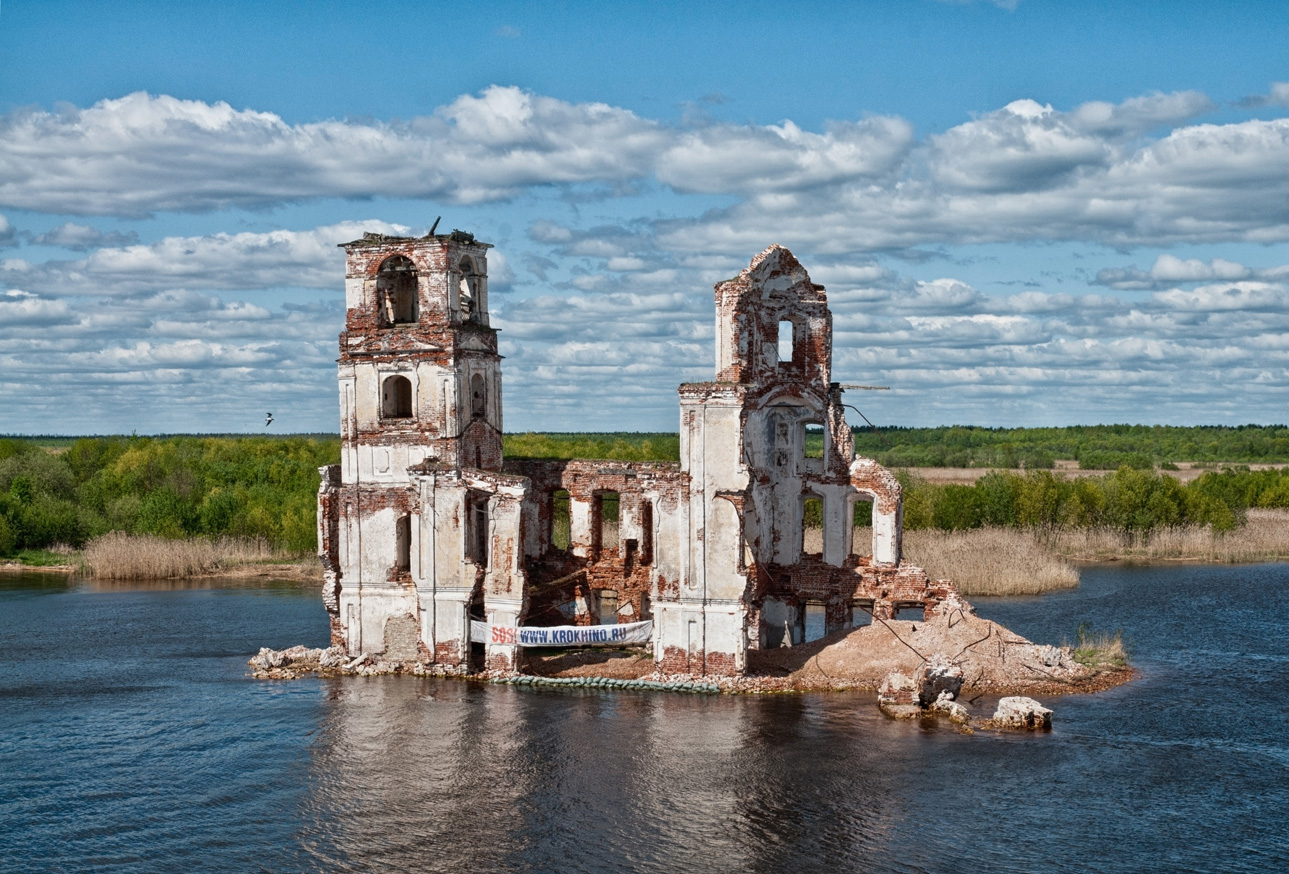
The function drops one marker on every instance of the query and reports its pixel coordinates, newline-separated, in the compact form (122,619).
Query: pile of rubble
(993,660)
(301,661)
(933,691)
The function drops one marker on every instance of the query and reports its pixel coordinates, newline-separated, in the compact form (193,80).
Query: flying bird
(268,419)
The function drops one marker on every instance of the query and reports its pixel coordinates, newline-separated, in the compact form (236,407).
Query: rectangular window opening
(608,599)
(561,520)
(813,445)
(477,529)
(910,613)
(786,342)
(606,510)
(646,533)
(861,613)
(816,621)
(861,538)
(403,544)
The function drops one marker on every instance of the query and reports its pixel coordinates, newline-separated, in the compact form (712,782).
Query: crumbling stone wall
(423,527)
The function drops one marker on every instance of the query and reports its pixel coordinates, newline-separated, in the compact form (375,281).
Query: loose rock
(1022,713)
(898,697)
(937,678)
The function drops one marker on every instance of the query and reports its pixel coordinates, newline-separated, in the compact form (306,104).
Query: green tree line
(1128,500)
(172,487)
(266,487)
(1095,447)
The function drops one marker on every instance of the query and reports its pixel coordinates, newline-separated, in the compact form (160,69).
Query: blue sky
(1025,213)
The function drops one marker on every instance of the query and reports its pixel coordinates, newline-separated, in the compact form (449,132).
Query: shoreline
(304,572)
(1099,680)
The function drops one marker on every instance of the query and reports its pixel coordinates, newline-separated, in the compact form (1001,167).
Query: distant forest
(1094,447)
(66,490)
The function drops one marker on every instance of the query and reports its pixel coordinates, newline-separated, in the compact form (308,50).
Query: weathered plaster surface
(423,526)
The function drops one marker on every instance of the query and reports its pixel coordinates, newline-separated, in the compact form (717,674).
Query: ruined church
(426,531)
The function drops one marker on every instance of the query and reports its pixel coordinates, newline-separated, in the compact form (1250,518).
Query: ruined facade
(424,527)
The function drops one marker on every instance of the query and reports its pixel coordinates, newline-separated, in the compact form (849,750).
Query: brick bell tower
(420,383)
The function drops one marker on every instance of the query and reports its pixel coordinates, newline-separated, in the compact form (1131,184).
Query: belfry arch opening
(471,303)
(396,291)
(396,397)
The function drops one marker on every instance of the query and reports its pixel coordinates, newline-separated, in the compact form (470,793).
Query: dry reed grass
(989,561)
(1264,537)
(118,556)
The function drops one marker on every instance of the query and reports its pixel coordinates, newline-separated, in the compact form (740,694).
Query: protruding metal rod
(846,386)
(871,425)
(434,226)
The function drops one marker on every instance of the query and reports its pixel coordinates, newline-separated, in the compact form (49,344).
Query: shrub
(8,541)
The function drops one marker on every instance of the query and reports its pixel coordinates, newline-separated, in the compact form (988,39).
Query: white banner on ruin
(562,635)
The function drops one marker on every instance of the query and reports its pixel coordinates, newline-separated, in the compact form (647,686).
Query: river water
(132,739)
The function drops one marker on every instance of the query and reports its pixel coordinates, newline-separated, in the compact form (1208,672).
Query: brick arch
(869,477)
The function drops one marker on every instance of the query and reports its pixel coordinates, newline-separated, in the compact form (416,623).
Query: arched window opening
(861,535)
(561,520)
(787,342)
(478,397)
(469,292)
(403,544)
(396,398)
(396,291)
(812,526)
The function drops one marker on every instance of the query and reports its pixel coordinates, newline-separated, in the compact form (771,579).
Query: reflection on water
(132,740)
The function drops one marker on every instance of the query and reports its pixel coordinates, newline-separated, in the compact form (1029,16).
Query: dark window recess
(403,544)
(477,533)
(478,396)
(646,533)
(396,398)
